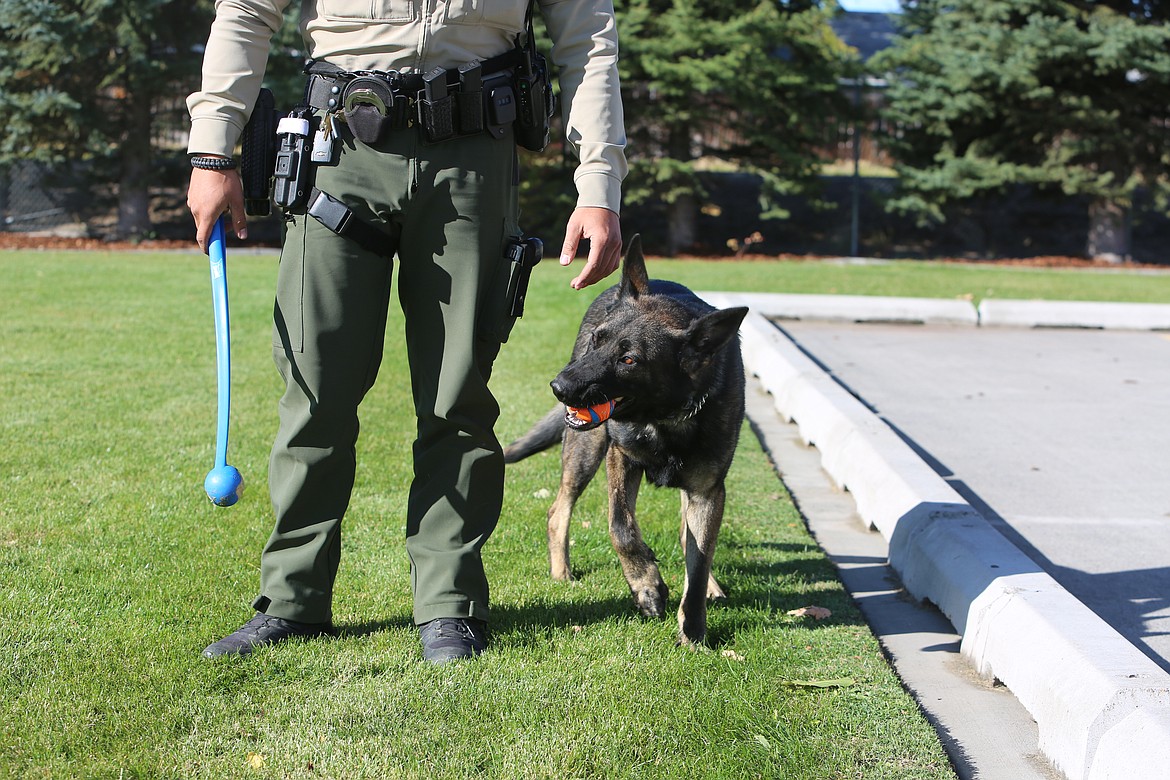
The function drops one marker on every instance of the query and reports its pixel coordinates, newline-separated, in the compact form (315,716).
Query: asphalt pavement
(1014,461)
(1059,437)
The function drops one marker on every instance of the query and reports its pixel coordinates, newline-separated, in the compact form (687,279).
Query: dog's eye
(628,360)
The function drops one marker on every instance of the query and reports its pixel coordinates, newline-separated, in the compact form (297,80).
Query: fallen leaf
(764,741)
(734,656)
(818,613)
(256,761)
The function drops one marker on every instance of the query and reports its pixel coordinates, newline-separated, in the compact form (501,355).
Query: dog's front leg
(581,455)
(702,516)
(637,559)
(714,589)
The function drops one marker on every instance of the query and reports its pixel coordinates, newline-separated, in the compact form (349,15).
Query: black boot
(450,639)
(264,630)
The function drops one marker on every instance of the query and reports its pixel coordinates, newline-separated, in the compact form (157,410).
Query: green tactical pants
(449,209)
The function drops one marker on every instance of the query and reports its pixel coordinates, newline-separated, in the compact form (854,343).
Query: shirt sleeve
(585,51)
(233,70)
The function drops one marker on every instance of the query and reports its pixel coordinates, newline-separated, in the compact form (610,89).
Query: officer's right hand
(209,195)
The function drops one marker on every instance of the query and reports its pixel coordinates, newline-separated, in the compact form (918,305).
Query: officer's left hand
(603,229)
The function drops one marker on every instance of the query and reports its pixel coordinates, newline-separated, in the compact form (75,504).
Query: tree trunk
(684,209)
(682,224)
(134,182)
(1108,237)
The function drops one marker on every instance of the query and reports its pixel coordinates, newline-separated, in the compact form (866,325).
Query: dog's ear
(708,335)
(635,282)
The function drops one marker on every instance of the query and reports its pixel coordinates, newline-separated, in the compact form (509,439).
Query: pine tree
(79,80)
(1068,97)
(755,85)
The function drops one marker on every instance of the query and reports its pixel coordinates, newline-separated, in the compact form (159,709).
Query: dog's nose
(558,388)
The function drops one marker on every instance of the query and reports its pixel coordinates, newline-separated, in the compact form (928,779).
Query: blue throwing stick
(224,484)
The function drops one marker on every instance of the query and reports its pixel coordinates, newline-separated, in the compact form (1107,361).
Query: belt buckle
(330,212)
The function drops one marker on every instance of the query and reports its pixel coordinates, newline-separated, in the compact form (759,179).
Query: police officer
(447,212)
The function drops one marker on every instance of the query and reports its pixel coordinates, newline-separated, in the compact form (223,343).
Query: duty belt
(326,90)
(445,102)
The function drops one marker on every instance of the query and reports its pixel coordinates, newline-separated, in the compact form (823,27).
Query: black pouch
(470,112)
(436,109)
(500,108)
(438,118)
(369,108)
(470,98)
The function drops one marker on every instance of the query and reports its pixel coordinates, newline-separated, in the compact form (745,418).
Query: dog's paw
(715,592)
(695,645)
(652,601)
(692,634)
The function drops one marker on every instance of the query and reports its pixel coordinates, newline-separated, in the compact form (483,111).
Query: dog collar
(691,408)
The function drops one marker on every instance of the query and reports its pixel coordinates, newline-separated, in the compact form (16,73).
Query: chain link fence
(37,197)
(29,202)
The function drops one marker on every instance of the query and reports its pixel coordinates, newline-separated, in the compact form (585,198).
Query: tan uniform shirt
(418,35)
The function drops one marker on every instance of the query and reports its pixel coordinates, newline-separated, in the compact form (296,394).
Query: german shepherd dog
(663,374)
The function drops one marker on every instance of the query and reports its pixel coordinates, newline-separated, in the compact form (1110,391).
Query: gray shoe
(264,630)
(451,639)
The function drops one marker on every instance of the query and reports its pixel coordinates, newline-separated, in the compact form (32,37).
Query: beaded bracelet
(213,163)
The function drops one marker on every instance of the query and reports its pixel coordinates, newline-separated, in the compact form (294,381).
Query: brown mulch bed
(26,241)
(1045,261)
(31,241)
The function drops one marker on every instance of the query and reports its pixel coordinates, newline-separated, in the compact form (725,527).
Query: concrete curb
(991,312)
(1091,692)
(1003,312)
(862,308)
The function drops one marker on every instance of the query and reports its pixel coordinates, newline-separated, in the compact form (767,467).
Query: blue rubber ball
(224,485)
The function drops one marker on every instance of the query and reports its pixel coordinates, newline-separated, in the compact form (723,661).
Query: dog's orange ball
(597,413)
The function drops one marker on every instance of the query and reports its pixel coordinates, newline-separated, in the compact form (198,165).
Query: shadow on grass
(370,627)
(763,581)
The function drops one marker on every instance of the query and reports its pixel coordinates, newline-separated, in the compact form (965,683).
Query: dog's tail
(540,437)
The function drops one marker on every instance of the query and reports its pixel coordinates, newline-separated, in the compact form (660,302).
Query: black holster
(535,97)
(258,155)
(523,255)
(294,170)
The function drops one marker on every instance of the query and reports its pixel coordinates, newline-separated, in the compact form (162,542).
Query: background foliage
(83,81)
(732,111)
(1067,97)
(755,86)
(79,80)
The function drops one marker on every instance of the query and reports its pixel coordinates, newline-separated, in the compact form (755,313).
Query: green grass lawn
(115,571)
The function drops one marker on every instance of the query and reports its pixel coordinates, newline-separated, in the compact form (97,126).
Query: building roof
(869,33)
